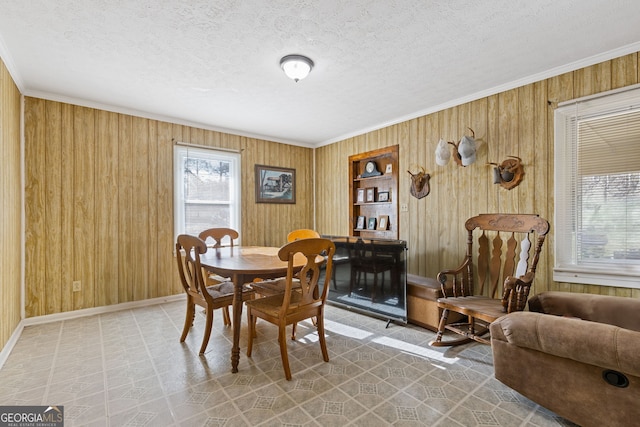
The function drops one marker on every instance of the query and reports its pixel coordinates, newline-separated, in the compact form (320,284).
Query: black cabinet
(370,276)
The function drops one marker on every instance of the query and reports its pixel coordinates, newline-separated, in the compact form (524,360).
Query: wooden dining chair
(302,298)
(221,237)
(509,248)
(277,286)
(265,288)
(220,295)
(302,233)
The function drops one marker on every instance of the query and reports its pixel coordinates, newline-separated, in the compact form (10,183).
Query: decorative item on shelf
(383,196)
(360,223)
(372,224)
(464,152)
(360,196)
(509,173)
(383,222)
(420,183)
(371,194)
(371,169)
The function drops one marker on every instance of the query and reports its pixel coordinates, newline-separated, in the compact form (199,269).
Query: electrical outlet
(404,207)
(77,286)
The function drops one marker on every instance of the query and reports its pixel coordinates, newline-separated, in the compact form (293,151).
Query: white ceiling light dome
(296,67)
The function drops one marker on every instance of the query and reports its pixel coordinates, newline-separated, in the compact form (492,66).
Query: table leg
(238,280)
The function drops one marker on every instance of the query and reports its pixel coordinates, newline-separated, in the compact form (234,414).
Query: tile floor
(128,368)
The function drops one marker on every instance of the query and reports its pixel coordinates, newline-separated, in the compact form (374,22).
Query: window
(207,189)
(597,190)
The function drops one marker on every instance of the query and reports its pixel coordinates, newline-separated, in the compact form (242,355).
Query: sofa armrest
(619,311)
(592,343)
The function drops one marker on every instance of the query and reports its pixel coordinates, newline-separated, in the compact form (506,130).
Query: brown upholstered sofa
(577,355)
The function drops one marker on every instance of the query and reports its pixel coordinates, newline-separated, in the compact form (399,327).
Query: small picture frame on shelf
(371,194)
(383,222)
(360,195)
(383,196)
(372,224)
(389,168)
(360,223)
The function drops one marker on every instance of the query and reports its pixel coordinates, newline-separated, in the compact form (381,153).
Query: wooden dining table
(243,264)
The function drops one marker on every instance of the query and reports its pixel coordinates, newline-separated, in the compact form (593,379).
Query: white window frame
(567,268)
(180,152)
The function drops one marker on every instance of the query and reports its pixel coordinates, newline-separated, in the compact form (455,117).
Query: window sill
(602,278)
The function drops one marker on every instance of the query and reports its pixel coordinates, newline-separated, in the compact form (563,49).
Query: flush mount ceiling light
(296,67)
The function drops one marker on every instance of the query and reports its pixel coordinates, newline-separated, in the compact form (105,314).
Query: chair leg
(188,320)
(225,316)
(282,339)
(351,282)
(441,326)
(207,331)
(249,323)
(323,341)
(293,332)
(375,287)
(251,320)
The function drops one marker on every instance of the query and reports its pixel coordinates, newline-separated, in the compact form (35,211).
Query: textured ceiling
(215,64)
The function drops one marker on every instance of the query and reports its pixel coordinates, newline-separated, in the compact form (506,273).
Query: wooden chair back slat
(523,262)
(496,262)
(309,275)
(188,251)
(510,259)
(218,235)
(483,260)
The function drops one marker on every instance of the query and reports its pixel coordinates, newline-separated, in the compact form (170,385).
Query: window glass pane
(207,189)
(609,218)
(206,179)
(200,216)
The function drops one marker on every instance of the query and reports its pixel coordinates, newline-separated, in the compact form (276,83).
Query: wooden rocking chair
(511,236)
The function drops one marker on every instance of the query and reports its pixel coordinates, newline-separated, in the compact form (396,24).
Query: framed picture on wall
(275,185)
(360,223)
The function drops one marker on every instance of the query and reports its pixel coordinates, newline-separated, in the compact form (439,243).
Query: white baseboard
(8,347)
(67,315)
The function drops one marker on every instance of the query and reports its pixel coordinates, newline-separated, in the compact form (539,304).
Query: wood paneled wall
(99,185)
(99,203)
(11,204)
(517,122)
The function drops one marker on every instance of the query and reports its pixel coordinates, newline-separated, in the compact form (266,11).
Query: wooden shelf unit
(386,182)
